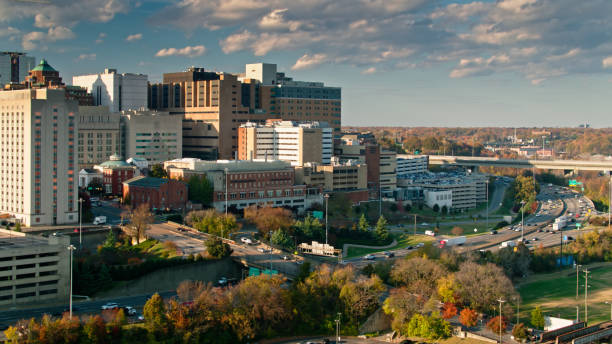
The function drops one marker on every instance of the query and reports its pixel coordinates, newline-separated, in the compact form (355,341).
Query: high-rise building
(99,135)
(44,75)
(38,163)
(119,92)
(215,104)
(295,142)
(155,136)
(14,67)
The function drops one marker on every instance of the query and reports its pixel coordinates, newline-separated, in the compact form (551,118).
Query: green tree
(382,232)
(200,190)
(519,331)
(363,226)
(211,222)
(430,327)
(158,171)
(310,228)
(216,248)
(280,237)
(111,239)
(436,208)
(18,226)
(154,313)
(537,318)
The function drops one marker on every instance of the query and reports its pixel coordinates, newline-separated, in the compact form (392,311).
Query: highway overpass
(567,165)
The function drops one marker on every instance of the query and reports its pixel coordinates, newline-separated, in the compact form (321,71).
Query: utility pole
(487,183)
(225,191)
(338,328)
(522,220)
(586,295)
(500,319)
(415,223)
(577,271)
(326,203)
(71,248)
(80,223)
(610,303)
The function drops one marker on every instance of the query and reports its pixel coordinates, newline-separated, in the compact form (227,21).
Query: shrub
(519,331)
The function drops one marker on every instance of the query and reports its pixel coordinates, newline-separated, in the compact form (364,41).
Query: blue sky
(399,62)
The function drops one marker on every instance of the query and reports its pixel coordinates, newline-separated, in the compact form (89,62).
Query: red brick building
(158,193)
(114,173)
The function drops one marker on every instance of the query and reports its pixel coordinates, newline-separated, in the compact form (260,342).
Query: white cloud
(86,57)
(188,51)
(370,70)
(237,42)
(9,31)
(308,61)
(134,37)
(101,37)
(57,33)
(39,39)
(607,62)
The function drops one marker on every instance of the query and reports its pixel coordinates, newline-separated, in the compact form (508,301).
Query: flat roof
(18,240)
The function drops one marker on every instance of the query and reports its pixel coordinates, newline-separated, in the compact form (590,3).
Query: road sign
(317,214)
(565,238)
(578,225)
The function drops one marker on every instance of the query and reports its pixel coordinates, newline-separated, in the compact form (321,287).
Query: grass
(468,228)
(403,241)
(556,293)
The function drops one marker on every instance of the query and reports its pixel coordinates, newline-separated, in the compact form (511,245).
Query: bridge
(567,165)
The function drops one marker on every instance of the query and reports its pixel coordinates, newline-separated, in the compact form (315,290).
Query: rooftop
(148,182)
(43,66)
(17,240)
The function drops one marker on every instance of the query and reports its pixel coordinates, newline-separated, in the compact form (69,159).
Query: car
(540,230)
(494,232)
(389,254)
(369,257)
(409,247)
(535,239)
(526,242)
(299,262)
(262,250)
(110,305)
(569,238)
(285,258)
(181,229)
(246,240)
(128,310)
(419,245)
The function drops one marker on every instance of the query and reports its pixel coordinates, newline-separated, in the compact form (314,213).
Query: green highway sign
(317,214)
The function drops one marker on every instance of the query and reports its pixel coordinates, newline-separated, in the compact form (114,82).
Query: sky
(511,63)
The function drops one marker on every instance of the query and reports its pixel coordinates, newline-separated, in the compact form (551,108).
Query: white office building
(38,163)
(117,91)
(14,67)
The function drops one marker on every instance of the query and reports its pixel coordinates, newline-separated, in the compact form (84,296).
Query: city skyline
(405,63)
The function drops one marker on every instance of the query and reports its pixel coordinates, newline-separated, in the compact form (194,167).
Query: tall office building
(295,142)
(98,136)
(38,182)
(154,136)
(215,104)
(14,67)
(117,91)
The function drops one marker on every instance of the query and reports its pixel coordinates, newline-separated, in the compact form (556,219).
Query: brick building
(158,193)
(114,173)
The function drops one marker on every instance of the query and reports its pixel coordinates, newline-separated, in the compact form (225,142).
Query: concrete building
(114,172)
(349,177)
(14,67)
(441,198)
(157,193)
(89,175)
(468,190)
(388,172)
(99,135)
(295,142)
(33,269)
(248,182)
(154,136)
(38,164)
(44,75)
(409,164)
(118,92)
(215,104)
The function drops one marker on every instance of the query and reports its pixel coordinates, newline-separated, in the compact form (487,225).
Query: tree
(401,305)
(154,313)
(94,330)
(158,171)
(190,290)
(519,331)
(494,325)
(212,222)
(419,275)
(482,285)
(537,318)
(448,290)
(430,327)
(18,226)
(449,310)
(216,248)
(200,190)
(436,208)
(407,207)
(382,232)
(310,229)
(280,238)
(363,226)
(444,209)
(111,239)
(468,317)
(267,219)
(141,219)
(457,230)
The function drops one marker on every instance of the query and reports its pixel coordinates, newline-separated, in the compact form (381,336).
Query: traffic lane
(188,244)
(83,307)
(108,209)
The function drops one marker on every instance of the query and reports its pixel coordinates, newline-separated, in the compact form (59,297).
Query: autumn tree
(430,327)
(448,289)
(363,226)
(494,324)
(401,305)
(519,331)
(268,219)
(457,230)
(212,222)
(468,317)
(537,318)
(381,230)
(154,312)
(190,290)
(360,296)
(140,220)
(482,285)
(449,310)
(419,275)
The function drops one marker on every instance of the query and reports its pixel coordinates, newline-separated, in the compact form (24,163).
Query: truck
(508,243)
(559,225)
(458,241)
(99,220)
(430,233)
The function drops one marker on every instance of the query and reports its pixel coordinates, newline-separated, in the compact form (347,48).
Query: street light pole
(610,303)
(338,328)
(71,248)
(487,183)
(500,319)
(586,295)
(225,191)
(326,227)
(577,271)
(80,223)
(522,220)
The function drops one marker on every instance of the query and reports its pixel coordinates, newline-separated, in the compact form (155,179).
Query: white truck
(99,220)
(430,233)
(458,241)
(560,223)
(508,243)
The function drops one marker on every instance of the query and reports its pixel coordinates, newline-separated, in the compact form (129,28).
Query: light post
(225,169)
(500,319)
(71,248)
(338,328)
(610,303)
(487,183)
(577,313)
(522,220)
(577,271)
(80,223)
(586,295)
(326,203)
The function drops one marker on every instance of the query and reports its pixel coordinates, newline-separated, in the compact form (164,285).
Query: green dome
(115,161)
(43,66)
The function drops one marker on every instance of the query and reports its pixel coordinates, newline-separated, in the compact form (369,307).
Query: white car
(130,310)
(246,240)
(369,257)
(110,305)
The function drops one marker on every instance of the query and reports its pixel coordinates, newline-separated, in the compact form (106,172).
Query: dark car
(389,254)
